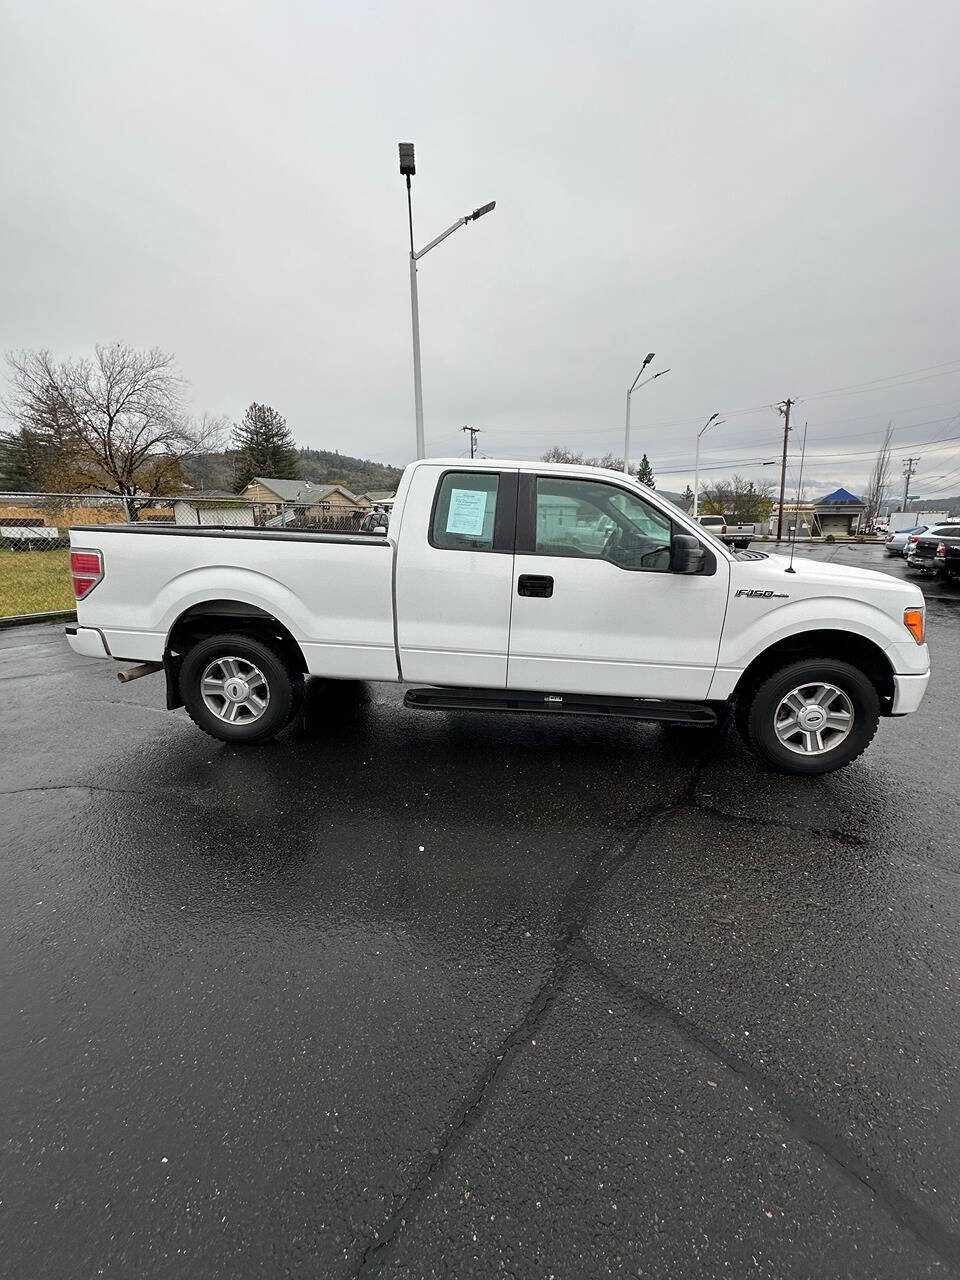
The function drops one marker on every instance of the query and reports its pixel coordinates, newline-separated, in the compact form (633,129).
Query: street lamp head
(478,213)
(407,164)
(647,359)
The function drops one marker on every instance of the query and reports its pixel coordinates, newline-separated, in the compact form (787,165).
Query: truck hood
(817,578)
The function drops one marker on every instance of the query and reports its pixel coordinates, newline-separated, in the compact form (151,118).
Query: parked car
(937,552)
(896,543)
(486,592)
(734,535)
(926,533)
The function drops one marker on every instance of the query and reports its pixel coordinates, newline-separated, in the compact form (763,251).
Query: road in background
(418,994)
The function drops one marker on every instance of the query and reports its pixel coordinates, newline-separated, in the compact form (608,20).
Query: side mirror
(686,554)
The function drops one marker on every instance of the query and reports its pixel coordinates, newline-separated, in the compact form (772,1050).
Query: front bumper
(908,693)
(87,641)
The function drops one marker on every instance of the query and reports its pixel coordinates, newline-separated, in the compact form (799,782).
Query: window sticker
(468,507)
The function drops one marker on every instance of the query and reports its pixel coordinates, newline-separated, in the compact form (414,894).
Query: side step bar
(565,704)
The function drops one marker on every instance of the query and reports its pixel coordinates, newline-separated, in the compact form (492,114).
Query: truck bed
(333,592)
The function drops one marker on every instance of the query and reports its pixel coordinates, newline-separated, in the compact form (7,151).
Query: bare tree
(879,477)
(740,499)
(114,422)
(557,453)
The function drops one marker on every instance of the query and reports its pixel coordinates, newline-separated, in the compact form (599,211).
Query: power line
(905,378)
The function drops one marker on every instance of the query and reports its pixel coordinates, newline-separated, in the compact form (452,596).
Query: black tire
(283,685)
(757,717)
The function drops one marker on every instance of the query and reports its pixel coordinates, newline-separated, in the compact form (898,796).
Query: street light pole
(630,391)
(696,472)
(407,169)
(414,307)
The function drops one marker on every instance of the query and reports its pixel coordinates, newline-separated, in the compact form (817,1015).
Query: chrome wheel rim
(234,690)
(813,719)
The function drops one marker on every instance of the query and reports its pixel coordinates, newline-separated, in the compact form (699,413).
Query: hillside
(215,470)
(937,504)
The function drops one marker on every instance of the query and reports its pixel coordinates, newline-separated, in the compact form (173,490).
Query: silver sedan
(896,544)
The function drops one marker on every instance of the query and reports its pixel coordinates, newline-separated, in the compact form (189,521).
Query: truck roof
(525,464)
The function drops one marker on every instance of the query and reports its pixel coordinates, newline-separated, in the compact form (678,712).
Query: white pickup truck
(509,586)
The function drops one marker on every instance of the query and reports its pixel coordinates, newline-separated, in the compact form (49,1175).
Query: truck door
(596,608)
(455,576)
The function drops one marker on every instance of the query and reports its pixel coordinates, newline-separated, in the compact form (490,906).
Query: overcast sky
(765,194)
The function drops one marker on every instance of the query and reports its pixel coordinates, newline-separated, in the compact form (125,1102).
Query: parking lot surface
(424,994)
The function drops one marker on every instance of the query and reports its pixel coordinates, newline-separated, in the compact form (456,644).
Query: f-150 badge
(753,594)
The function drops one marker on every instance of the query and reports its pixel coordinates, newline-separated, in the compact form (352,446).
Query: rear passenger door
(455,576)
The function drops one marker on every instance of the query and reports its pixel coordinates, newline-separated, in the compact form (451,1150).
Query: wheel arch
(212,617)
(843,646)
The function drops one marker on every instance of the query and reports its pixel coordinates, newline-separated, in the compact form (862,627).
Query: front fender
(753,625)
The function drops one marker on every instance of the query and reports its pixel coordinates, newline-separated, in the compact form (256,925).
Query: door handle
(535,584)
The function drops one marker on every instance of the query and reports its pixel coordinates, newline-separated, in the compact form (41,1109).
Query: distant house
(377,497)
(840,513)
(320,499)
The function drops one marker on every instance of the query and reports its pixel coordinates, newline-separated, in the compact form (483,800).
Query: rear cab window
(465,511)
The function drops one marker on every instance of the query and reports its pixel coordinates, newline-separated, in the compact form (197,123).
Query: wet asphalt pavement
(422,994)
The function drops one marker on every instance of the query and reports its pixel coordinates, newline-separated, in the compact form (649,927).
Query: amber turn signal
(913,621)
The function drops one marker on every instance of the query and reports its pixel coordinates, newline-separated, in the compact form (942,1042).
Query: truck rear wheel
(812,716)
(239,689)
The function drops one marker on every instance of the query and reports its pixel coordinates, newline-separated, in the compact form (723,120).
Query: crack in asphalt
(929,1230)
(80,786)
(751,820)
(569,949)
(600,867)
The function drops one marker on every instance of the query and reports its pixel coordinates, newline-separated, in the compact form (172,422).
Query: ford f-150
(510,586)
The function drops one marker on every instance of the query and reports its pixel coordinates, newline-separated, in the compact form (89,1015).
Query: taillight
(723,528)
(941,550)
(86,570)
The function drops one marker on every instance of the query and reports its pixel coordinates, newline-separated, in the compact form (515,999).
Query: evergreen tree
(645,473)
(27,461)
(264,447)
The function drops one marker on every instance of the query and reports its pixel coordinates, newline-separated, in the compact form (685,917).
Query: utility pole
(473,439)
(784,407)
(909,467)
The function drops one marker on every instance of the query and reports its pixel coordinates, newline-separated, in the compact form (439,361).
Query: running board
(565,704)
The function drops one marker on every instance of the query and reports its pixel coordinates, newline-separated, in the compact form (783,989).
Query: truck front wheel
(812,716)
(239,689)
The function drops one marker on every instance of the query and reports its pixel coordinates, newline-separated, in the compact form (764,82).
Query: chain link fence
(35,537)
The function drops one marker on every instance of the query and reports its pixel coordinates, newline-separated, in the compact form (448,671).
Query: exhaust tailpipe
(137,673)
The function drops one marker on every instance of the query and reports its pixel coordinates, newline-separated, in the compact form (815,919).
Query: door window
(465,511)
(586,519)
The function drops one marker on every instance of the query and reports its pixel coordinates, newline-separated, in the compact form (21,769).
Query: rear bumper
(908,693)
(87,641)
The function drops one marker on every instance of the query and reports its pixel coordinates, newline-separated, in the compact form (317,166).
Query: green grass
(35,581)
